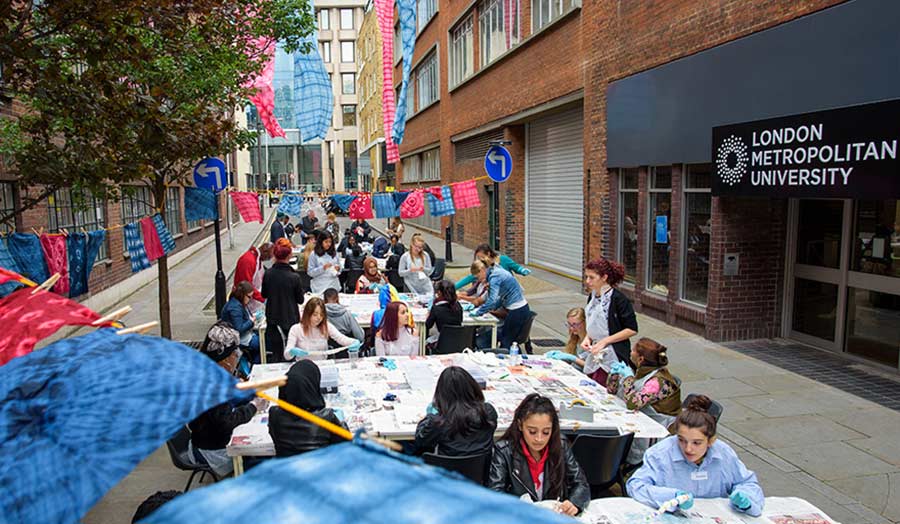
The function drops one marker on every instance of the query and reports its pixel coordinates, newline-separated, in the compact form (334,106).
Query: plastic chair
(473,467)
(601,457)
(454,339)
(715,409)
(437,272)
(352,276)
(178,449)
(524,339)
(395,280)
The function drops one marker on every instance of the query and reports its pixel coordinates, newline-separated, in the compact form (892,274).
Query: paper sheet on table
(705,511)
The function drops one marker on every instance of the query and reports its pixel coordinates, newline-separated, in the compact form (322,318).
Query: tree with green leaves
(132,91)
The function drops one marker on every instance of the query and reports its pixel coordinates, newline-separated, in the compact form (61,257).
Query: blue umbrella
(78,415)
(353,482)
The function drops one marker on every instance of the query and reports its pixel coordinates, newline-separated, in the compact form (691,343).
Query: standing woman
(332,227)
(415,267)
(485,253)
(324,265)
(610,319)
(398,335)
(504,291)
(282,288)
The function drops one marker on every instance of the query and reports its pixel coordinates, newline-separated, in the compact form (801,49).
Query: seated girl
(459,422)
(236,313)
(533,458)
(446,310)
(309,337)
(291,434)
(693,463)
(398,335)
(370,278)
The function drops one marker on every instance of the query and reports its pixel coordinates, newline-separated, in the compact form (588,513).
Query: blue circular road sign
(498,163)
(210,173)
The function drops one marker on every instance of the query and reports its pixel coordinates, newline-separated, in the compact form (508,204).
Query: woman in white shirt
(415,267)
(398,335)
(324,265)
(309,337)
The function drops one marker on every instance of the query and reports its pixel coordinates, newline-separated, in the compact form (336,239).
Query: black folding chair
(715,409)
(178,450)
(454,339)
(601,457)
(437,272)
(524,338)
(473,467)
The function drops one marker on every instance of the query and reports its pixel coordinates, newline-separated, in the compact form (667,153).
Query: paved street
(803,438)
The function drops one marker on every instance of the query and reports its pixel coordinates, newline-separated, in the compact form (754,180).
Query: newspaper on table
(777,510)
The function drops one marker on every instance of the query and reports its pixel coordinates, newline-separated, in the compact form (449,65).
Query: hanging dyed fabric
(76,245)
(27,319)
(152,245)
(407,10)
(95,241)
(8,262)
(247,205)
(165,238)
(199,204)
(361,207)
(441,206)
(313,96)
(135,248)
(291,204)
(385,206)
(54,248)
(399,198)
(264,97)
(413,206)
(384,11)
(27,252)
(343,201)
(465,195)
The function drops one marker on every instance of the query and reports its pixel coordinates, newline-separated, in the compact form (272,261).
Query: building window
(431,165)
(348,83)
(398,49)
(351,164)
(628,220)
(173,210)
(427,81)
(349,113)
(411,169)
(136,205)
(74,212)
(498,29)
(326,52)
(698,223)
(347,52)
(346,18)
(659,229)
(462,52)
(545,11)
(7,205)
(324,20)
(425,10)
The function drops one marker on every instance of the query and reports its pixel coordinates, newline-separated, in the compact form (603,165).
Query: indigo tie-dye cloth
(441,206)
(199,204)
(291,204)
(77,416)
(27,252)
(385,206)
(343,201)
(135,247)
(8,262)
(165,237)
(407,10)
(313,96)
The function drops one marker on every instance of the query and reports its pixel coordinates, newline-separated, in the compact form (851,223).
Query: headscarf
(302,388)
(221,341)
(386,295)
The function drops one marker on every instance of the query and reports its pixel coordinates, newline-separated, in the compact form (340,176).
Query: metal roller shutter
(554,176)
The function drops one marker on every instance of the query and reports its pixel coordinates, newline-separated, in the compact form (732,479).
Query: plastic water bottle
(514,358)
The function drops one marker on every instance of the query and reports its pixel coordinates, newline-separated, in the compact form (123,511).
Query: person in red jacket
(250,268)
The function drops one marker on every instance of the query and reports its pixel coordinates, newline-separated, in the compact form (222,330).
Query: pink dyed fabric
(152,244)
(413,206)
(465,195)
(436,191)
(264,98)
(55,253)
(384,10)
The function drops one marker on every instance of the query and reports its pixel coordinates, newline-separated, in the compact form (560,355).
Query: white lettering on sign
(787,135)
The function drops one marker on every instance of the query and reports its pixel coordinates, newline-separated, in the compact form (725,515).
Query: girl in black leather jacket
(533,458)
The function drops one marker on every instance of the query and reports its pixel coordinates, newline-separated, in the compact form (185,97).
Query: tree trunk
(162,264)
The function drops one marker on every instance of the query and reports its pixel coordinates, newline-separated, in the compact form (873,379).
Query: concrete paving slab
(780,382)
(719,388)
(872,491)
(734,411)
(873,422)
(833,460)
(811,401)
(886,447)
(835,495)
(787,431)
(771,459)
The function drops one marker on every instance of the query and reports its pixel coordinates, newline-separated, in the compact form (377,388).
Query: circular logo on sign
(731,160)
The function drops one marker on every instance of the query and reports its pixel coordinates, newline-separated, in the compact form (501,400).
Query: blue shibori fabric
(349,483)
(399,198)
(440,208)
(199,204)
(291,204)
(135,247)
(384,205)
(343,201)
(407,12)
(76,249)
(165,237)
(80,414)
(26,250)
(8,262)
(313,96)
(95,241)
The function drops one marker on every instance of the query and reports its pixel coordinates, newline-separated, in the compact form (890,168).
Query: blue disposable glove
(690,501)
(474,313)
(618,368)
(526,272)
(626,371)
(740,501)
(339,413)
(468,306)
(297,352)
(431,410)
(354,347)
(560,355)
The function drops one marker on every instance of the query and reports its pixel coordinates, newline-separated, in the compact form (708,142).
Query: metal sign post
(211,174)
(498,165)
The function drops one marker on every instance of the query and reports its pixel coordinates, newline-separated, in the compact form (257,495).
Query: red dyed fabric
(10,276)
(27,319)
(436,191)
(413,206)
(247,205)
(152,244)
(55,253)
(465,195)
(361,207)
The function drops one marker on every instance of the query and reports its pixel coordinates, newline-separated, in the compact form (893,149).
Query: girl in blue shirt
(692,462)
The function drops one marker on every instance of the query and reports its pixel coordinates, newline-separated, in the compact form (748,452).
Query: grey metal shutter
(554,176)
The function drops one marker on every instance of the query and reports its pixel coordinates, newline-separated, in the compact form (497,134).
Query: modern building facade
(369,90)
(609,111)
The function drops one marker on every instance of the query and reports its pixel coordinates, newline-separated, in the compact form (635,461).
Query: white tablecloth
(777,510)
